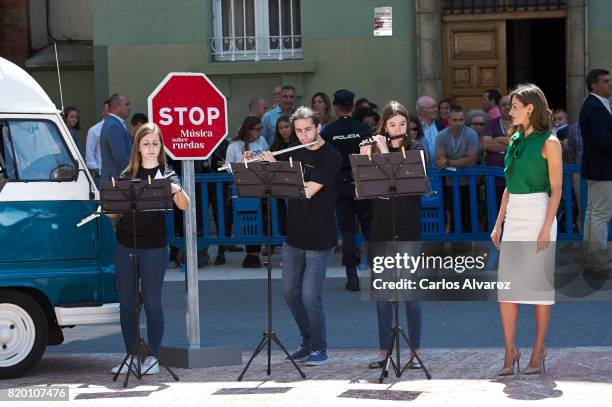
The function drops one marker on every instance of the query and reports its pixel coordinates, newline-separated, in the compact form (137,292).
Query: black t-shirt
(311,223)
(150,226)
(407,216)
(345,134)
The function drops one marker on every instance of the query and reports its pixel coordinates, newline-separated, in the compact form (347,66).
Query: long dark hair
(541,117)
(67,111)
(279,143)
(248,124)
(391,109)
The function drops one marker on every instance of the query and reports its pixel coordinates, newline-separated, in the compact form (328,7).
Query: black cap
(343,97)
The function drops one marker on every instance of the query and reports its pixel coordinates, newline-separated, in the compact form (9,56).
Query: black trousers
(347,208)
(464,199)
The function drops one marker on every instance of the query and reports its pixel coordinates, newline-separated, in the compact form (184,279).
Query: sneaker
(150,365)
(317,358)
(124,368)
(300,355)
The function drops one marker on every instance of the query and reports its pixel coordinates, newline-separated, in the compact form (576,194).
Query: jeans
(152,265)
(303,276)
(385,323)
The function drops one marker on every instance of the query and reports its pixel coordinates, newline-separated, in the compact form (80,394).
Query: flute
(286,150)
(370,140)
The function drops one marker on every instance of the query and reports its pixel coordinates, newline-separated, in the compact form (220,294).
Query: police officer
(345,134)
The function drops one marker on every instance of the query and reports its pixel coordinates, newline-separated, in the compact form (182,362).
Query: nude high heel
(541,365)
(509,371)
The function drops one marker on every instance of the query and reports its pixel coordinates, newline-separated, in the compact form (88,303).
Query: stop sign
(191,113)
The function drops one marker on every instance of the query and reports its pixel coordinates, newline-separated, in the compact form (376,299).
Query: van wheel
(23,333)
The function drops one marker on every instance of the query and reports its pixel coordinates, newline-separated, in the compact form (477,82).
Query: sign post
(192,115)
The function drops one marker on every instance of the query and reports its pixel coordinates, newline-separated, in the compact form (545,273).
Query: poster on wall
(383,21)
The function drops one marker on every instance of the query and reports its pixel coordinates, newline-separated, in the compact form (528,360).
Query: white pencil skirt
(530,274)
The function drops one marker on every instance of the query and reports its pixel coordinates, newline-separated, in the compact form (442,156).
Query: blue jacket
(115,147)
(596,129)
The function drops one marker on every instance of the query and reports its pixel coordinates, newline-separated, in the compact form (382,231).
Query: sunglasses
(414,129)
(478,123)
(256,128)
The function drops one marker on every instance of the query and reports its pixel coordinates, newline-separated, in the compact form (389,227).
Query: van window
(30,150)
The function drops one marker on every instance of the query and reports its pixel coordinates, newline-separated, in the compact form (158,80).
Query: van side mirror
(64,172)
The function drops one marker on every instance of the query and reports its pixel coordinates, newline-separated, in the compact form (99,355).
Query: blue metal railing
(248,213)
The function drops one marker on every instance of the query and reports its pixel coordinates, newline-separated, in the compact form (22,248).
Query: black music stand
(136,196)
(392,175)
(283,179)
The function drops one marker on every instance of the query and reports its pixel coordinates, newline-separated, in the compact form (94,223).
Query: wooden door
(474,60)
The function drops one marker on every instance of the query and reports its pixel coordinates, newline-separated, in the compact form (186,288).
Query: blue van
(53,274)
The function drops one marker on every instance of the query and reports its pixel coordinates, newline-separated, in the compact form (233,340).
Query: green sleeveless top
(525,169)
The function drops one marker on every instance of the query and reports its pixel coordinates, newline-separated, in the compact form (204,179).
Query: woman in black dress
(391,136)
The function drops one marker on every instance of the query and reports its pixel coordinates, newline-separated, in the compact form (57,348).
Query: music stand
(392,175)
(282,179)
(136,196)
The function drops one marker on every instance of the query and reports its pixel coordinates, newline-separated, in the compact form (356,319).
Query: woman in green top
(534,173)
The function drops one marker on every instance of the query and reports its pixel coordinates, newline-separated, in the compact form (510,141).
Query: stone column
(429,48)
(576,54)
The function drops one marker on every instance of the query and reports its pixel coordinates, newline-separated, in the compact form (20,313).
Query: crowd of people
(451,138)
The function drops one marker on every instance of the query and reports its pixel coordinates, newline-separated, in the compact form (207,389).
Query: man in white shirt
(93,156)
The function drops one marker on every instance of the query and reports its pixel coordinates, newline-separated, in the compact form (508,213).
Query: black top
(311,223)
(345,134)
(150,226)
(596,130)
(407,216)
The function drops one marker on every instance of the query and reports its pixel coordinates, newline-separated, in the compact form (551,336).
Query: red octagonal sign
(191,113)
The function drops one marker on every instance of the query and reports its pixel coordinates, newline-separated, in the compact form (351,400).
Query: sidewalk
(461,377)
(232,269)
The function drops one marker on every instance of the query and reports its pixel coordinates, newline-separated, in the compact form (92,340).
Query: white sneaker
(124,368)
(150,365)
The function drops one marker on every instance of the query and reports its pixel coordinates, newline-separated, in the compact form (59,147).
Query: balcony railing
(250,48)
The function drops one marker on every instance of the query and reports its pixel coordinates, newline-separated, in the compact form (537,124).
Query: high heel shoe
(541,366)
(509,371)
